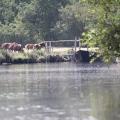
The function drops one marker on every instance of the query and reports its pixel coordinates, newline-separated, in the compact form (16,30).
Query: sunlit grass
(32,56)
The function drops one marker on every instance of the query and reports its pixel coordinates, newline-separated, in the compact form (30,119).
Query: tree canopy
(35,20)
(105,33)
(97,22)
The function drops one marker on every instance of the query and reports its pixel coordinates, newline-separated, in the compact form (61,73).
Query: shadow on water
(64,91)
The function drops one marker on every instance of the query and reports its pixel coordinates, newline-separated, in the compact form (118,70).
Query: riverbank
(29,57)
(40,56)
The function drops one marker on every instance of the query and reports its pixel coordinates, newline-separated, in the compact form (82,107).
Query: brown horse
(37,46)
(34,46)
(5,46)
(42,45)
(19,48)
(11,46)
(29,46)
(16,47)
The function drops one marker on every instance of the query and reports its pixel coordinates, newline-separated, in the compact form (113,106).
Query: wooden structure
(50,47)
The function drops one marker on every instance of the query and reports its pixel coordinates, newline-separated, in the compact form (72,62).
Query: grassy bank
(41,56)
(29,57)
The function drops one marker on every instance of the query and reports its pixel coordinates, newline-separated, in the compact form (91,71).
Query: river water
(62,91)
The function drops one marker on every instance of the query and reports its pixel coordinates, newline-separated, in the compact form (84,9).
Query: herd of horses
(20,48)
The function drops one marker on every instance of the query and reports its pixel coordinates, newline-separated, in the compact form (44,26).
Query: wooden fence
(50,46)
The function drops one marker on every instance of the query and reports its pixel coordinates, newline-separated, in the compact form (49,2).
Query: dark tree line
(35,20)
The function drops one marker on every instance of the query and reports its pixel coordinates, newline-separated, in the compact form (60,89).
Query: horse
(29,46)
(37,46)
(16,47)
(5,46)
(34,46)
(42,45)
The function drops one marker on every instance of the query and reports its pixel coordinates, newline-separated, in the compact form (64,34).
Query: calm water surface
(63,91)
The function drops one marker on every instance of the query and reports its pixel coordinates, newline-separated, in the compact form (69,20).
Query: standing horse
(5,46)
(37,46)
(29,46)
(33,46)
(16,47)
(42,45)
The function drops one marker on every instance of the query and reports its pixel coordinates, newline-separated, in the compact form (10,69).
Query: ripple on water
(22,108)
(5,109)
(19,117)
(35,91)
(36,106)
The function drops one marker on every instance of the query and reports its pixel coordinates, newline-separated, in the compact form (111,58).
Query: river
(61,91)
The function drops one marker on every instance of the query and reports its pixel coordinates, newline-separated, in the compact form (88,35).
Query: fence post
(46,47)
(50,47)
(75,44)
(87,48)
(79,44)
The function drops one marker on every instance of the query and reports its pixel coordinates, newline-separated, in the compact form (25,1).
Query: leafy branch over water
(105,33)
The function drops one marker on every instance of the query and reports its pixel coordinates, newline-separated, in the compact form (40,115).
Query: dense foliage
(35,20)
(105,33)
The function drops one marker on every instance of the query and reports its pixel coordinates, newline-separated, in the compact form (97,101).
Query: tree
(72,21)
(11,25)
(106,32)
(44,17)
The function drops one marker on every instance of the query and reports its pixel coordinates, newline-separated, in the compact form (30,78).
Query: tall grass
(34,56)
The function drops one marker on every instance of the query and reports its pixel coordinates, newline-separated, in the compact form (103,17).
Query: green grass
(24,57)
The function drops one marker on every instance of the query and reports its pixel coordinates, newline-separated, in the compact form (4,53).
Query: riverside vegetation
(96,22)
(35,56)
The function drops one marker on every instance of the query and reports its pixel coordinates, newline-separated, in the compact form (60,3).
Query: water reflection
(59,92)
(105,102)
